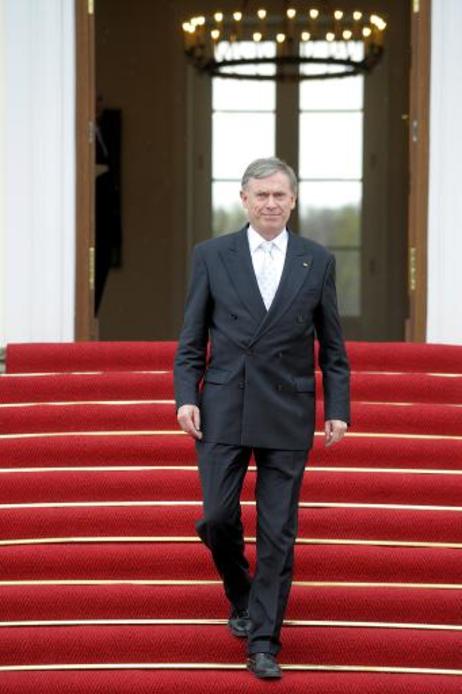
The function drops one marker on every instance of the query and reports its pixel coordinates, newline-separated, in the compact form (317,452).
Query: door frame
(419,130)
(85,322)
(86,325)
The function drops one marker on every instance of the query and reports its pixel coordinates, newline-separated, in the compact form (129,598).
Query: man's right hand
(189,419)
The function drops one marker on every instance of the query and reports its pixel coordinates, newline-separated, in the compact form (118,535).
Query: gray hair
(262,168)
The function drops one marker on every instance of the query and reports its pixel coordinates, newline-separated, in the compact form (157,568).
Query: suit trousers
(222,468)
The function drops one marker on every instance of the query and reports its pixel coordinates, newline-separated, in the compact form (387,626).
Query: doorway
(167,200)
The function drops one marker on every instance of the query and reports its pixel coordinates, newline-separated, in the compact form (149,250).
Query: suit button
(233,316)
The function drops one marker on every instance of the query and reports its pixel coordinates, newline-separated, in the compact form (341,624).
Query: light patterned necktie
(267,277)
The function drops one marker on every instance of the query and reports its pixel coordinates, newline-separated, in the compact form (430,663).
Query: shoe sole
(275,676)
(238,634)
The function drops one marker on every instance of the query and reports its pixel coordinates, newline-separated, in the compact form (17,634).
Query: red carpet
(105,587)
(138,385)
(114,520)
(128,356)
(409,418)
(177,483)
(181,560)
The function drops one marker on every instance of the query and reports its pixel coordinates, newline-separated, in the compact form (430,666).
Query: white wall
(444,317)
(37,171)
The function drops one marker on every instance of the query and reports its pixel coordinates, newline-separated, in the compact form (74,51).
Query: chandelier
(293,44)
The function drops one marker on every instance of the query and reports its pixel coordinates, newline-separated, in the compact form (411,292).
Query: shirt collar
(255,239)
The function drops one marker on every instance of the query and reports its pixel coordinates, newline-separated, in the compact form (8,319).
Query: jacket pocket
(305,384)
(218,376)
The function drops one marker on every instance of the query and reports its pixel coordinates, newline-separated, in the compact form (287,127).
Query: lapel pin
(305,264)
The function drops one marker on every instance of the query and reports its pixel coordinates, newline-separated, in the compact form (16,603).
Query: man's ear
(244,196)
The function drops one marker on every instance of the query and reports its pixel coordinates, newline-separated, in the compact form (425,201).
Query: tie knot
(267,246)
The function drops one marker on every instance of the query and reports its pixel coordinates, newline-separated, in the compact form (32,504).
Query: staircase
(105,586)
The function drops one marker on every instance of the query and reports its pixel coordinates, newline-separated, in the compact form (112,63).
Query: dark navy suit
(255,388)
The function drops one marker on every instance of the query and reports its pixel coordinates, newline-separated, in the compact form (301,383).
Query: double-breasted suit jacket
(255,385)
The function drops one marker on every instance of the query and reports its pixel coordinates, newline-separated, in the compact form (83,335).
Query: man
(259,295)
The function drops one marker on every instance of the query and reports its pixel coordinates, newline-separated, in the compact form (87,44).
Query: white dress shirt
(256,243)
(268,261)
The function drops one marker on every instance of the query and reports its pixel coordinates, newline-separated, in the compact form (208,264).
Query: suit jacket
(256,386)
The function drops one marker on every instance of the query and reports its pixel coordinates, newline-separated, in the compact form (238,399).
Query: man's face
(269,202)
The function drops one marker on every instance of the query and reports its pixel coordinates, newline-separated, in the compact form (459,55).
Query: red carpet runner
(105,587)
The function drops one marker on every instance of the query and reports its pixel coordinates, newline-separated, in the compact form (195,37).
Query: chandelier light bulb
(367,31)
(215,34)
(357,15)
(280,38)
(314,14)
(218,16)
(237,16)
(186,26)
(291,13)
(261,14)
(378,22)
(338,14)
(347,34)
(257,36)
(330,36)
(306,35)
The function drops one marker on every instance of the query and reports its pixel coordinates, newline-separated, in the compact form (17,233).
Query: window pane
(331,145)
(228,213)
(330,212)
(330,49)
(348,281)
(238,138)
(245,95)
(344,93)
(247,49)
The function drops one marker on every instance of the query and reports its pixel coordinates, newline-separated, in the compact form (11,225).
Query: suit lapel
(238,263)
(296,268)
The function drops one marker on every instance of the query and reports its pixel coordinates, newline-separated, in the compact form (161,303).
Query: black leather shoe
(264,666)
(239,623)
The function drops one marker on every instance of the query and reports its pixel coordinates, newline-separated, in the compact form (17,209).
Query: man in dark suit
(258,296)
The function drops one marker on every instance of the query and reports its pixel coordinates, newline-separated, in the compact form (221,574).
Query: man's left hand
(335,430)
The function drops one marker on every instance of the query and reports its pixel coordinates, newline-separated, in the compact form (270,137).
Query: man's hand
(189,419)
(335,430)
